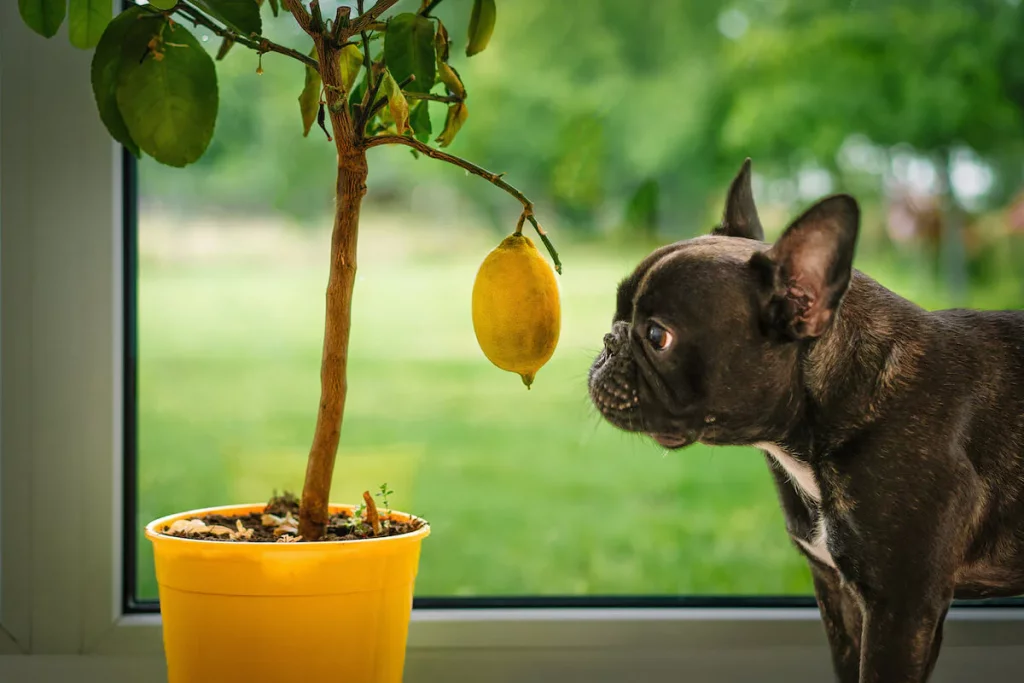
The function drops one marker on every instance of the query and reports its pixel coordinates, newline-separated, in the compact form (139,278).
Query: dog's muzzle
(613,381)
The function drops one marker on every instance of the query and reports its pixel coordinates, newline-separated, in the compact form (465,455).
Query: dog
(894,435)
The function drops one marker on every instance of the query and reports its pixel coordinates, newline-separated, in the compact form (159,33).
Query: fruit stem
(493,178)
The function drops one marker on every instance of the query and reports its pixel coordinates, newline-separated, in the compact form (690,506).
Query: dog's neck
(863,359)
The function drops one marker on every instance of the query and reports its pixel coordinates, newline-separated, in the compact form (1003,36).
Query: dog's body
(895,435)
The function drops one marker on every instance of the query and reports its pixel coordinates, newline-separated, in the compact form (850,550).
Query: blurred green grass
(527,492)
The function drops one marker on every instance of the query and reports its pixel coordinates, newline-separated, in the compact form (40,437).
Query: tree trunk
(333,368)
(349,192)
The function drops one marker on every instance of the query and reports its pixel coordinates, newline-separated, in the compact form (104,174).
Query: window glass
(624,124)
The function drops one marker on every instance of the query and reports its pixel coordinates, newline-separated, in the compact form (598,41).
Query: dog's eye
(658,336)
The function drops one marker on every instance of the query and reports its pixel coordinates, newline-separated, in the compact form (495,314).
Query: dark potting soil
(278,523)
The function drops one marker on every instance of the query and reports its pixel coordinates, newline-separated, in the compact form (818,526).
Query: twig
(380,103)
(340,21)
(425,12)
(299,12)
(259,43)
(372,516)
(369,108)
(368,17)
(450,99)
(493,178)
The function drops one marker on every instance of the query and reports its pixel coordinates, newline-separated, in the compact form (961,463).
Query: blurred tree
(932,74)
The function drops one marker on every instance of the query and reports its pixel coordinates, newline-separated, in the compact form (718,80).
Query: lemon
(516,309)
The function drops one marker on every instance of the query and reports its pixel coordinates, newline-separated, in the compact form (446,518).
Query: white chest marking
(800,473)
(818,545)
(803,479)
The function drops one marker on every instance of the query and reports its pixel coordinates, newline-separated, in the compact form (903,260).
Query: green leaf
(351,62)
(397,104)
(275,7)
(105,64)
(481,26)
(86,21)
(163,4)
(457,115)
(419,120)
(241,15)
(169,98)
(409,51)
(309,98)
(43,16)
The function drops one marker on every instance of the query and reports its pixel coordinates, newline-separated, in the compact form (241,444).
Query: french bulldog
(894,435)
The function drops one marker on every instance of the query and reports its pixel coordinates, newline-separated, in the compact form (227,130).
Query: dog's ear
(740,217)
(808,269)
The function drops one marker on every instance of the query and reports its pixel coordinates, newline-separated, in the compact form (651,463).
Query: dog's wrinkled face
(707,334)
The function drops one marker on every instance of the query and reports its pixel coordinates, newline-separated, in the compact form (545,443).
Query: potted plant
(299,589)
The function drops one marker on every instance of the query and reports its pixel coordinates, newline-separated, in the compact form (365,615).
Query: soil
(278,523)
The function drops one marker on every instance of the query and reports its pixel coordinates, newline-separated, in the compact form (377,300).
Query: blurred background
(624,122)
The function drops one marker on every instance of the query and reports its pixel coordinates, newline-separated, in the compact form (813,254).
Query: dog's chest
(802,477)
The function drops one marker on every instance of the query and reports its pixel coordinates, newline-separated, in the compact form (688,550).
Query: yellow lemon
(516,310)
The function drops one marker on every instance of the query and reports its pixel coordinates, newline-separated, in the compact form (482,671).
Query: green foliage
(241,15)
(163,4)
(106,63)
(86,21)
(43,16)
(419,121)
(168,98)
(481,26)
(409,51)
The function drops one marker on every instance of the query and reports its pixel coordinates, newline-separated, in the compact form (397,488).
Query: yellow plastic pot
(334,611)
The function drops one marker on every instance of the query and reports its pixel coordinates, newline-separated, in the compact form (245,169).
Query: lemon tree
(369,76)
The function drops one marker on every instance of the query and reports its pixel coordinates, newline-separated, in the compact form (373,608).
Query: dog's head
(708,333)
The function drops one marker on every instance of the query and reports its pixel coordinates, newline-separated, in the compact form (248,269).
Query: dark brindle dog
(895,435)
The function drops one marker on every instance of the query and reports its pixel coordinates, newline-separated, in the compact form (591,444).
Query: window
(533,498)
(62,427)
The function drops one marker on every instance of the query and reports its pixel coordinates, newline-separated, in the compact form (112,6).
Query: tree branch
(260,44)
(368,17)
(449,99)
(425,12)
(299,12)
(380,103)
(493,178)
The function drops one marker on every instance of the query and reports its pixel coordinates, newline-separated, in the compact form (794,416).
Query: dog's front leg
(901,639)
(841,616)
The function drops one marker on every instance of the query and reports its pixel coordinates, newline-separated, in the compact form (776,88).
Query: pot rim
(154,535)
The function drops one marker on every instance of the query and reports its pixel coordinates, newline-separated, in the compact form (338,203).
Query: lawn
(527,492)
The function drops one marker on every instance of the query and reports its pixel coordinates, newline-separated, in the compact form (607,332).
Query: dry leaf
(287,538)
(242,534)
(218,530)
(286,529)
(188,526)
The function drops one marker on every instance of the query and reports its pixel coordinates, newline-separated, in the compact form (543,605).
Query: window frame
(62,341)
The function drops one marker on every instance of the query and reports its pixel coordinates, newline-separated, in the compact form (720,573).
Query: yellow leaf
(457,115)
(351,61)
(397,104)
